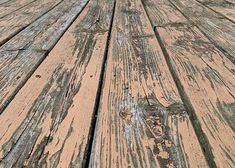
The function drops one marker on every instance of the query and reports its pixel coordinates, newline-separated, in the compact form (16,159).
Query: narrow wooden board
(18,20)
(48,122)
(217,28)
(163,13)
(12,6)
(21,55)
(207,83)
(225,8)
(141,119)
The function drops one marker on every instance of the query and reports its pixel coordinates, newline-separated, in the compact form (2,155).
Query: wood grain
(207,80)
(141,120)
(21,55)
(48,122)
(12,6)
(217,28)
(163,13)
(18,20)
(4,1)
(225,8)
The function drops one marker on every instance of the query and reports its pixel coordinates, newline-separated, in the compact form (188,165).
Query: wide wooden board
(3,1)
(22,54)
(48,122)
(205,78)
(141,120)
(216,27)
(223,7)
(12,6)
(18,20)
(163,13)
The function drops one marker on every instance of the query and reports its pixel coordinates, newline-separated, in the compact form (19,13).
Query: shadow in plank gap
(18,20)
(141,119)
(205,78)
(219,30)
(48,122)
(12,6)
(22,54)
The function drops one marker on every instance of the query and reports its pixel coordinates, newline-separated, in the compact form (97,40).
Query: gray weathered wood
(21,55)
(141,120)
(12,6)
(4,1)
(223,7)
(217,28)
(48,122)
(206,80)
(18,20)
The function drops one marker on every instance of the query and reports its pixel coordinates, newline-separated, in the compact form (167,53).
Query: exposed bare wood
(12,6)
(162,99)
(48,122)
(207,80)
(4,1)
(223,7)
(217,28)
(21,55)
(163,13)
(141,121)
(16,21)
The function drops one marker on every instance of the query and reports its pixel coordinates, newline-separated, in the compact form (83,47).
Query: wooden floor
(118,84)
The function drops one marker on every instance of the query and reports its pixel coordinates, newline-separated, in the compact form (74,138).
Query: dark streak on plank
(20,19)
(217,28)
(4,1)
(21,55)
(167,15)
(141,121)
(223,7)
(205,78)
(48,122)
(12,6)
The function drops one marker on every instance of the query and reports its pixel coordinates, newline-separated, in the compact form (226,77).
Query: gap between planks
(38,39)
(203,137)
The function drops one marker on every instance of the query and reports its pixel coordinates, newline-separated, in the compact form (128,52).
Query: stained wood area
(206,84)
(117,83)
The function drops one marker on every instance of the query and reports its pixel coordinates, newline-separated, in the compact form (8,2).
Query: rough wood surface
(225,8)
(18,20)
(162,99)
(4,1)
(12,6)
(48,122)
(217,28)
(207,80)
(141,120)
(163,13)
(21,55)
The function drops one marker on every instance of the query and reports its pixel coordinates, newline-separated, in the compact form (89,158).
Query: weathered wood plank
(217,28)
(48,122)
(206,78)
(21,55)
(164,14)
(4,1)
(226,8)
(16,21)
(141,120)
(12,6)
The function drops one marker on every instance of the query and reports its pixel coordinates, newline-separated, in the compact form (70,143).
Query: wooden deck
(117,83)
